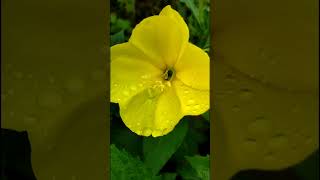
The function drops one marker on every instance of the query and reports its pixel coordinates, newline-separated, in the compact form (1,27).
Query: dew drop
(133,88)
(197,106)
(146,76)
(156,133)
(147,132)
(139,132)
(126,93)
(191,101)
(164,130)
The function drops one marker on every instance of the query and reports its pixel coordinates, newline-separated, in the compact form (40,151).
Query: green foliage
(194,138)
(157,151)
(201,165)
(124,166)
(169,176)
(199,22)
(117,38)
(128,4)
(187,172)
(206,115)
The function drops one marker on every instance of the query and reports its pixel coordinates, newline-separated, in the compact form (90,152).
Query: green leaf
(187,172)
(195,136)
(124,166)
(191,5)
(201,165)
(117,38)
(157,151)
(168,176)
(206,115)
(129,5)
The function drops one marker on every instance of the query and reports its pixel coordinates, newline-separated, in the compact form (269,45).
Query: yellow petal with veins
(193,101)
(152,112)
(131,72)
(161,38)
(193,67)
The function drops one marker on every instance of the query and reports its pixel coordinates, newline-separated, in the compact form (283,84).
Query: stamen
(169,74)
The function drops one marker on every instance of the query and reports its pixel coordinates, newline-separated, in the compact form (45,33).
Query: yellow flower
(158,76)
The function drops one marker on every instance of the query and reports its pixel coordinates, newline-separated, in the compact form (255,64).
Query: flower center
(169,74)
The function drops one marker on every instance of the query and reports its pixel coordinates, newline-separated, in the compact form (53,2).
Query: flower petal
(161,38)
(193,68)
(173,14)
(130,72)
(157,115)
(193,101)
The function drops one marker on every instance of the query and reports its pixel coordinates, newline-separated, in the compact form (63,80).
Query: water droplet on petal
(139,132)
(191,101)
(156,133)
(146,76)
(133,88)
(147,132)
(126,93)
